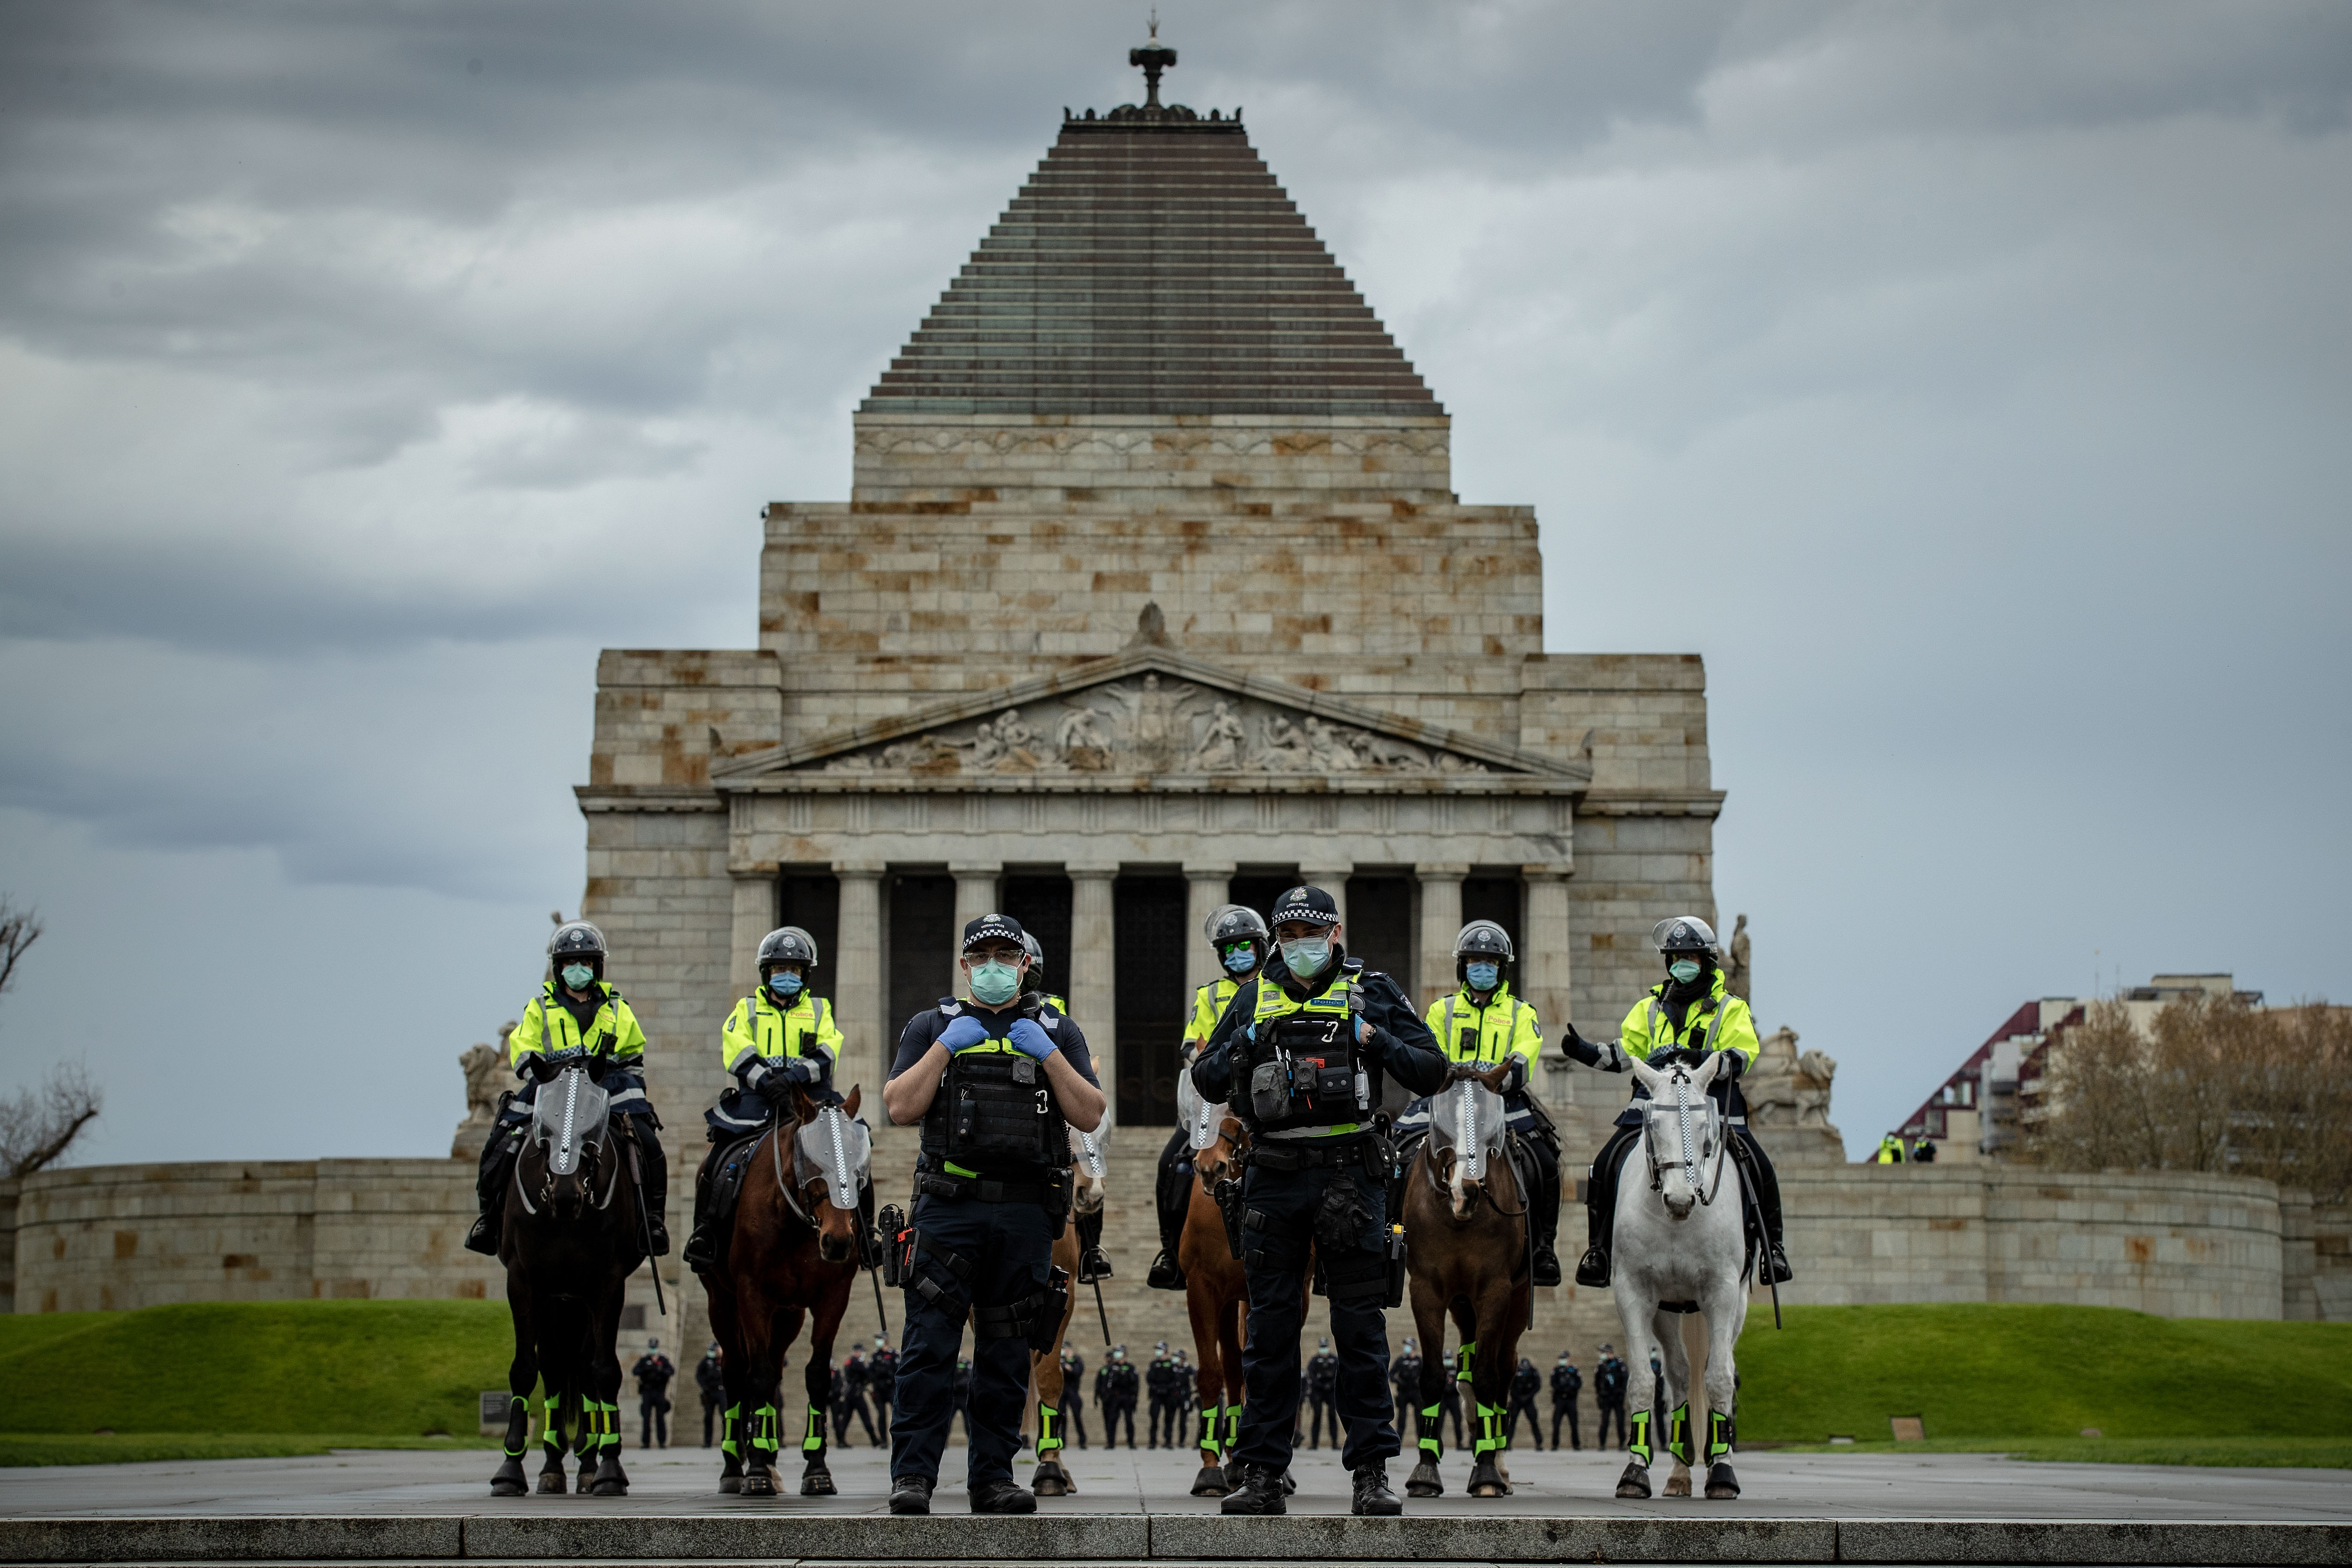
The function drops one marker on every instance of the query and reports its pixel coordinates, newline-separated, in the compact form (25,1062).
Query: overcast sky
(1971,386)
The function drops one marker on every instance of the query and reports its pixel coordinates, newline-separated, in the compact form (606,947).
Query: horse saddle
(727,1190)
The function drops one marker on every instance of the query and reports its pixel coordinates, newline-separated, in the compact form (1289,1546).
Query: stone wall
(9,1195)
(2176,1244)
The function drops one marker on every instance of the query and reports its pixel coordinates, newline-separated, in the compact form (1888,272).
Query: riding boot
(701,1251)
(1545,1216)
(497,1169)
(1172,1194)
(1766,1182)
(1600,1208)
(1094,1263)
(655,1163)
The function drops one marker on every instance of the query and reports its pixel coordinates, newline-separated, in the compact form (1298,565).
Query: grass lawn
(277,1370)
(2028,1379)
(2265,1453)
(19,1448)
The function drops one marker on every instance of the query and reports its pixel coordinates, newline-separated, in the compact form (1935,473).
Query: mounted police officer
(996,1083)
(1484,1024)
(1686,1018)
(1239,938)
(779,1041)
(1300,1053)
(576,1013)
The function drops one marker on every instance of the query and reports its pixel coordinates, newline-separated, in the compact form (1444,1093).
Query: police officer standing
(994,1188)
(1118,1376)
(882,1378)
(1301,1054)
(1322,1390)
(653,1373)
(575,1014)
(711,1382)
(1159,1389)
(1566,1383)
(1239,937)
(1073,1392)
(1608,1394)
(1525,1383)
(856,1378)
(1484,1024)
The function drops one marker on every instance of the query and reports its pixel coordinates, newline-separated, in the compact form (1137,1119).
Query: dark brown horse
(792,1252)
(1465,1223)
(1217,1298)
(573,1235)
(1051,1478)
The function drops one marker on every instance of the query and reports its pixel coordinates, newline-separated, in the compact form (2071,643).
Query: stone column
(1331,876)
(1544,970)
(975,896)
(1207,890)
(755,917)
(868,1036)
(1094,987)
(1441,920)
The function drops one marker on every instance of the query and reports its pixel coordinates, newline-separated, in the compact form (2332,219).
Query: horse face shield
(839,1151)
(1466,1134)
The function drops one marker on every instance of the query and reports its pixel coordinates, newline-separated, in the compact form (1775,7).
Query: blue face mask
(1241,961)
(994,984)
(578,975)
(1482,976)
(785,983)
(1683,970)
(1307,955)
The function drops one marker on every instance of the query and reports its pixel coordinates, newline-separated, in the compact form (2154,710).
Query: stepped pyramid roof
(1153,265)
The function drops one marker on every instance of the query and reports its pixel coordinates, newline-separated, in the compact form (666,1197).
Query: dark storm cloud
(1966,381)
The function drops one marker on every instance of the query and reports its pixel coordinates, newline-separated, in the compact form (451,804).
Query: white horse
(1679,1238)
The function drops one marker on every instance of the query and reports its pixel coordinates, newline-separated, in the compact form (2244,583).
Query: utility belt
(1051,1195)
(1036,1318)
(1367,1150)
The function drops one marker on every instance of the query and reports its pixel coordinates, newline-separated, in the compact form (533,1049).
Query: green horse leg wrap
(1049,1428)
(1430,1427)
(1640,1446)
(551,1432)
(1463,1361)
(813,1440)
(764,1423)
(1678,1434)
(730,1431)
(518,1441)
(1209,1420)
(1233,1430)
(1722,1432)
(1490,1430)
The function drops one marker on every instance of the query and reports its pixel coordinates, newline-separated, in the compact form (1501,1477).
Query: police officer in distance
(1687,1017)
(1485,1024)
(996,1084)
(1300,1053)
(576,1013)
(1239,938)
(779,1040)
(1608,1377)
(1160,1395)
(1566,1383)
(1322,1389)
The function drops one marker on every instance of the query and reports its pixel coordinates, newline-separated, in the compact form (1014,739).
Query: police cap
(1309,906)
(993,928)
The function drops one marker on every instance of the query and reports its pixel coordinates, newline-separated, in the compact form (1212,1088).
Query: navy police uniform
(1287,1055)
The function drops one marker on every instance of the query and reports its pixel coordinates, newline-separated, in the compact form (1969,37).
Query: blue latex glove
(803,1069)
(1029,1037)
(962,1034)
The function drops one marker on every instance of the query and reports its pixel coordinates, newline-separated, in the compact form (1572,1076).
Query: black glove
(776,1088)
(1731,1064)
(803,1069)
(541,1066)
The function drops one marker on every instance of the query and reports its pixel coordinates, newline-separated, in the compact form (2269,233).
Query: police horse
(573,1235)
(1216,1296)
(1089,1173)
(1468,1257)
(791,1249)
(1681,1246)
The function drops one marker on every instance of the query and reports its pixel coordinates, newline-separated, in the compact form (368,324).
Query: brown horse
(793,1252)
(1217,1298)
(1466,1220)
(1052,1477)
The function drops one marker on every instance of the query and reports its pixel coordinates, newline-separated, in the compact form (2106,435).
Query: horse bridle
(1683,1111)
(841,1176)
(547,1193)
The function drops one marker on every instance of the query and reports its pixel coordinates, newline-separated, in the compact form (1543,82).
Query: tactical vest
(1479,1035)
(779,1031)
(994,1114)
(1311,1076)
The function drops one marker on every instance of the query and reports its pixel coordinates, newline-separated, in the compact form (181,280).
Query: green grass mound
(1998,1376)
(23,1449)
(2237,1453)
(278,1369)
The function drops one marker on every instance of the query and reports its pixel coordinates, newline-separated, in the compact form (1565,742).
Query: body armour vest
(1309,1077)
(995,1114)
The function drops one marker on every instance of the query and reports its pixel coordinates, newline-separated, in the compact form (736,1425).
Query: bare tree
(39,1125)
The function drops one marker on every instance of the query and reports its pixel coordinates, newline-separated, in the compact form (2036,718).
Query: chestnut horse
(794,1250)
(1088,1173)
(1466,1220)
(1215,1294)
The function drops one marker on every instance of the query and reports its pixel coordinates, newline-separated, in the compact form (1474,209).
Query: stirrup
(701,1253)
(1779,1262)
(660,1238)
(1166,1273)
(1592,1268)
(1092,1264)
(1546,1267)
(483,1237)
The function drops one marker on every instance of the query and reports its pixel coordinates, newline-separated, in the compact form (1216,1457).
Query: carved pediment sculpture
(1148,725)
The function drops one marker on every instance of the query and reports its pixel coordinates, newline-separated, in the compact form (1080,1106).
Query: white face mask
(1683,970)
(578,975)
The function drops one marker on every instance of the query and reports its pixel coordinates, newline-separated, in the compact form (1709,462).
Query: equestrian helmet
(577,941)
(1234,922)
(1485,939)
(787,944)
(1036,950)
(1685,933)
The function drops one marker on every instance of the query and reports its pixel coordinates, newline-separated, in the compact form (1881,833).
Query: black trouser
(710,1404)
(1074,1416)
(1160,1418)
(1608,1413)
(1172,1190)
(1524,1402)
(1324,1409)
(882,1416)
(1544,1213)
(1600,1190)
(1007,1249)
(1113,1411)
(855,1405)
(1279,1209)
(653,1416)
(1567,1411)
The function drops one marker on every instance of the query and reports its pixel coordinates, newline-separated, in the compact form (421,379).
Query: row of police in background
(1892,1152)
(1527,1382)
(1169,1386)
(576,1015)
(1686,1018)
(1116,1388)
(996,1084)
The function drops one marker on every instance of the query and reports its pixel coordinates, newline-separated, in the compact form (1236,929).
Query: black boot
(1165,1275)
(655,1165)
(483,1237)
(1003,1496)
(910,1494)
(497,1169)
(1260,1491)
(1547,1264)
(1592,1268)
(1094,1263)
(1546,1217)
(1372,1494)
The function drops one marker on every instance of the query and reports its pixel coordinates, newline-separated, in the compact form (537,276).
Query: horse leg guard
(550,1445)
(509,1481)
(605,1456)
(1211,1480)
(1635,1481)
(1722,1433)
(1678,1435)
(759,1467)
(1050,1478)
(730,1444)
(816,1476)
(1486,1475)
(1429,1428)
